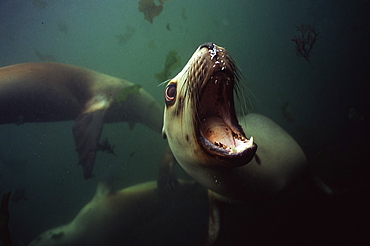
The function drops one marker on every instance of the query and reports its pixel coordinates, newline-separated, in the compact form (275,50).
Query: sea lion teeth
(251,141)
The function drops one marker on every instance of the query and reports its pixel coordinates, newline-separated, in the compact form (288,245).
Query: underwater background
(322,102)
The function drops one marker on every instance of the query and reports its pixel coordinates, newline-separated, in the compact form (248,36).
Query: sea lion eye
(170,93)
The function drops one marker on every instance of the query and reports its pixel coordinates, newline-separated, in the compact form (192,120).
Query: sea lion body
(212,145)
(45,92)
(135,216)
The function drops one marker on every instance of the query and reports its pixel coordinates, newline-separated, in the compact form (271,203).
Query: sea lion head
(200,121)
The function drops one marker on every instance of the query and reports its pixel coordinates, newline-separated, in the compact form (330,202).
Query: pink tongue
(215,130)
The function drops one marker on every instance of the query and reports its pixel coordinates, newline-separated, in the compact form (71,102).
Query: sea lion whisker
(164,83)
(242,91)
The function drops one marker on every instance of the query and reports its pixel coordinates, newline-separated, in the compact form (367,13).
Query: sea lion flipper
(214,219)
(167,182)
(103,190)
(86,132)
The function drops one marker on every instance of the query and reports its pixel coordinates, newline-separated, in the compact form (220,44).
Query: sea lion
(167,211)
(44,92)
(210,143)
(136,215)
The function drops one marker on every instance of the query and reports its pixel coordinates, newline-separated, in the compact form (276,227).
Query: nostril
(209,46)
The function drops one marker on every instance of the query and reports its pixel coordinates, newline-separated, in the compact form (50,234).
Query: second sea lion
(46,92)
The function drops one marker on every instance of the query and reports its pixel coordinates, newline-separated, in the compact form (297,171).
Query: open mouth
(218,129)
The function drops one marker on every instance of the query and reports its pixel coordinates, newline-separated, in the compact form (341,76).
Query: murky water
(322,103)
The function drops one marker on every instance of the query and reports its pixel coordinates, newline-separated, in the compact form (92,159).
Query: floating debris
(168,27)
(150,9)
(129,90)
(106,147)
(45,57)
(306,40)
(123,38)
(63,27)
(172,62)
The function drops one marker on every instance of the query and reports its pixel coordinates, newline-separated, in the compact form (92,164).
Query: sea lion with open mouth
(212,145)
(46,92)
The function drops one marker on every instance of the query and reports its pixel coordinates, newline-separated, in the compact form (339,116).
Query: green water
(112,37)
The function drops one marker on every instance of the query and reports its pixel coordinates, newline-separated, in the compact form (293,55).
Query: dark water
(312,101)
